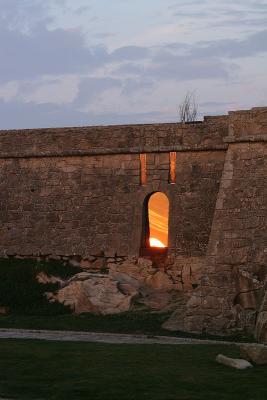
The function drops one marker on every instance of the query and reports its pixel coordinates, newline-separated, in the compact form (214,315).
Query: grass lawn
(129,322)
(67,370)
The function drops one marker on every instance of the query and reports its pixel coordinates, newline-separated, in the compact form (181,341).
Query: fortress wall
(233,284)
(231,297)
(69,191)
(248,124)
(66,206)
(114,139)
(92,205)
(77,191)
(198,178)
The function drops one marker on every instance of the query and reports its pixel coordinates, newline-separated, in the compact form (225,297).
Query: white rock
(42,277)
(236,363)
(97,293)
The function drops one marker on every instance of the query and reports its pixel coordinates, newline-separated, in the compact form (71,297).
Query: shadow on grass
(62,371)
(130,322)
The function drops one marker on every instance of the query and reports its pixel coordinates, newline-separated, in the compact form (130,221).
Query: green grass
(77,371)
(23,294)
(129,322)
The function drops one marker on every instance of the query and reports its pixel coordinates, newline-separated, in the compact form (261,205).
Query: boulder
(257,354)
(98,264)
(261,324)
(95,293)
(85,264)
(138,269)
(236,363)
(159,281)
(113,292)
(261,327)
(81,276)
(248,289)
(144,263)
(124,278)
(42,277)
(74,263)
(156,299)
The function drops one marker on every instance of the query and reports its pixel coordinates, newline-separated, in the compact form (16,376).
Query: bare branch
(188,109)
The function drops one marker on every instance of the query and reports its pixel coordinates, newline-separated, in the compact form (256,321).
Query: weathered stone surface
(85,264)
(261,327)
(81,200)
(137,268)
(98,294)
(257,354)
(233,362)
(131,279)
(236,262)
(261,323)
(43,278)
(160,281)
(91,204)
(74,262)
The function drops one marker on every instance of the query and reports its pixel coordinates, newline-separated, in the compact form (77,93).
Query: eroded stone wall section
(232,289)
(68,206)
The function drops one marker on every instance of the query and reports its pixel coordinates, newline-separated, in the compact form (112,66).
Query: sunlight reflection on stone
(156,243)
(158,212)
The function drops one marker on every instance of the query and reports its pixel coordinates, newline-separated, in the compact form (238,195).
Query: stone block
(236,363)
(257,354)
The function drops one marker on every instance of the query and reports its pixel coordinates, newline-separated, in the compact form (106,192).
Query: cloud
(133,86)
(17,115)
(27,14)
(233,48)
(51,72)
(91,88)
(130,53)
(188,68)
(47,52)
(223,14)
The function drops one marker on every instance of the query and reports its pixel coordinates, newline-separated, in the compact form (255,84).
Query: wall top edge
(206,119)
(213,133)
(115,151)
(186,125)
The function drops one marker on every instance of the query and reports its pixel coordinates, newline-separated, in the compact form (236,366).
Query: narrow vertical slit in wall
(172,178)
(143,171)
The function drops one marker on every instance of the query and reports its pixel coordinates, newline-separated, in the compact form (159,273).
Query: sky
(99,62)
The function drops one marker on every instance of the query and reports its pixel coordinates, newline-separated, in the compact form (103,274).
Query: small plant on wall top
(188,108)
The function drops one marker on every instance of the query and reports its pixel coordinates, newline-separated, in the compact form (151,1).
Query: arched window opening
(155,223)
(158,217)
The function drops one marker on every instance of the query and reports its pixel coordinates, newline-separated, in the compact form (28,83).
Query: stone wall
(232,296)
(114,139)
(76,193)
(92,205)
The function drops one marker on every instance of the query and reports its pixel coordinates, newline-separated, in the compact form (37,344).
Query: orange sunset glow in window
(158,216)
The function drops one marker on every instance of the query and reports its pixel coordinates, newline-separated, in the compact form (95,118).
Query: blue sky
(87,62)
